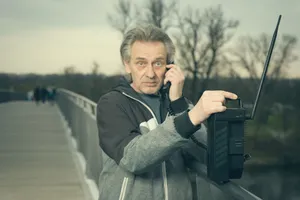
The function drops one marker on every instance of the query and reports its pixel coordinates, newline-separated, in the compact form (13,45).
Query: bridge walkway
(37,161)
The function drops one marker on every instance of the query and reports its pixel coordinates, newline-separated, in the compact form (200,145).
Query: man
(145,132)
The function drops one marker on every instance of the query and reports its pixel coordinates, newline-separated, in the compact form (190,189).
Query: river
(273,183)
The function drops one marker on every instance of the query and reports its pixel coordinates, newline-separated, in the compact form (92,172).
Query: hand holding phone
(177,76)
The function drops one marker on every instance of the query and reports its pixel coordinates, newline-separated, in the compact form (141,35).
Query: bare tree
(160,13)
(70,82)
(69,70)
(200,41)
(95,82)
(156,12)
(251,54)
(123,16)
(95,68)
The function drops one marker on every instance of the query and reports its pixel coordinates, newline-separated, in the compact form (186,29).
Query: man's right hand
(209,103)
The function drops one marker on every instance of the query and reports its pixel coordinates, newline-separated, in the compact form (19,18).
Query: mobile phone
(168,84)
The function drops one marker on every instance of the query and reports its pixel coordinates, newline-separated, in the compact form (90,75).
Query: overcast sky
(44,36)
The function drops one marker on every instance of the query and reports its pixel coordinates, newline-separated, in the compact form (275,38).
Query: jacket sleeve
(193,152)
(122,141)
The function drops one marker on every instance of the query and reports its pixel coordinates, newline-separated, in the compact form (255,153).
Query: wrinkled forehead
(144,50)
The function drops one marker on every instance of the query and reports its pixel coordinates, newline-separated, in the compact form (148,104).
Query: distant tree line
(272,137)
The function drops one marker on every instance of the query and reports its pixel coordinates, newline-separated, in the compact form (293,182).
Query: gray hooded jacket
(142,159)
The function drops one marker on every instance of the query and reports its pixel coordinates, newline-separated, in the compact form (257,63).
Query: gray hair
(147,33)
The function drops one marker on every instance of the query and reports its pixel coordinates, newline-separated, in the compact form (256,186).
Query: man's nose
(150,72)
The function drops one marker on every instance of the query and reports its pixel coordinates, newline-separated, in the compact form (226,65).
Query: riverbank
(261,165)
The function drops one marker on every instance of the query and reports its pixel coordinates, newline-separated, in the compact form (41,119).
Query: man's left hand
(176,77)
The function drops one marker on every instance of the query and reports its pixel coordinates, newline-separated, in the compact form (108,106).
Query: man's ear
(127,67)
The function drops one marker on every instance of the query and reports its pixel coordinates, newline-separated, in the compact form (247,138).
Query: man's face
(147,66)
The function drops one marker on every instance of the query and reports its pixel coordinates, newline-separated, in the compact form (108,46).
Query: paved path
(36,160)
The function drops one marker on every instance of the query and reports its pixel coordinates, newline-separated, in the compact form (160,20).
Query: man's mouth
(150,83)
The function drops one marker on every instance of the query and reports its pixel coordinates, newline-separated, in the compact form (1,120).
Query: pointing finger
(229,95)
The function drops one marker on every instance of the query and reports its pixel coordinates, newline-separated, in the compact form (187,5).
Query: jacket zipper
(123,189)
(164,170)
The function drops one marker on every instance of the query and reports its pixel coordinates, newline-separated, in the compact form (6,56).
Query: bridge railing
(80,113)
(8,95)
